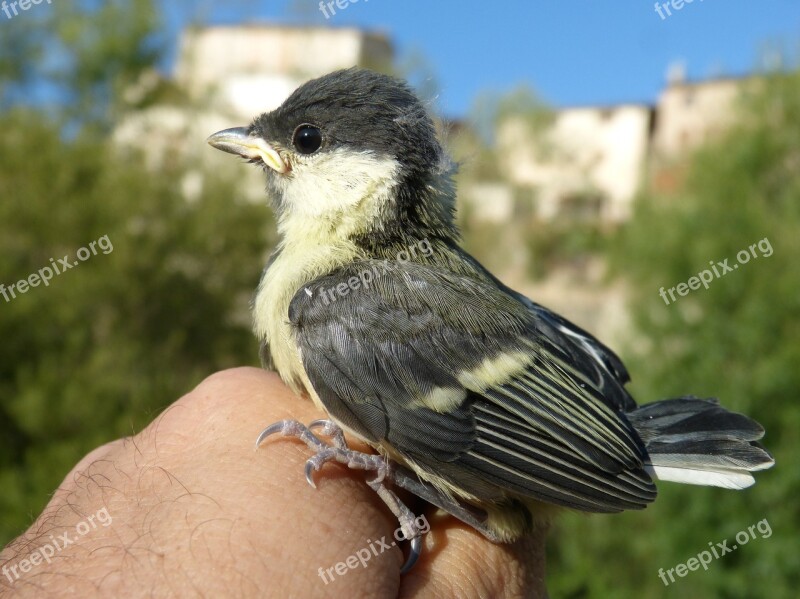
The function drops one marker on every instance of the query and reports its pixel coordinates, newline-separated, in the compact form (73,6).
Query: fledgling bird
(477,399)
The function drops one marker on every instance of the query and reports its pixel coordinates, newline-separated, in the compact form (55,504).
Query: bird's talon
(413,554)
(311,467)
(270,430)
(310,480)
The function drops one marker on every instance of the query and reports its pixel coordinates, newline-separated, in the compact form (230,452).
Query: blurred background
(605,154)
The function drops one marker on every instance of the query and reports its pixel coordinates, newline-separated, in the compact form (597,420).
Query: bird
(476,398)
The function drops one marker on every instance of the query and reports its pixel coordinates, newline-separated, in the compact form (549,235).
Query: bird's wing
(603,357)
(465,382)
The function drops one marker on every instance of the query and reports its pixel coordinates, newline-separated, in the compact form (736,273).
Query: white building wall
(585,150)
(252,68)
(691,113)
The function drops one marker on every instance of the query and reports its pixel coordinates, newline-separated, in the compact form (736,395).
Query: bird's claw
(340,452)
(313,464)
(270,430)
(413,554)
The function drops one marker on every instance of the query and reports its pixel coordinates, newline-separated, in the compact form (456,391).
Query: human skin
(196,511)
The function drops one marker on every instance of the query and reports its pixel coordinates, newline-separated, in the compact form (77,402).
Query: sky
(571,52)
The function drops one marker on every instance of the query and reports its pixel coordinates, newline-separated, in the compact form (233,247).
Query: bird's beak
(238,141)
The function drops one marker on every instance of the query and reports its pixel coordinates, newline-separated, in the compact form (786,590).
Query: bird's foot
(338,451)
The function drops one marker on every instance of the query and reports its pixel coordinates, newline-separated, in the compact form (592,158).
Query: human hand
(188,508)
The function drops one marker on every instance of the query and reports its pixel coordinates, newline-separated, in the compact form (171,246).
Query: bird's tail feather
(697,441)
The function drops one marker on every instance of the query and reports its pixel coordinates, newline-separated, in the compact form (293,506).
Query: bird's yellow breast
(297,263)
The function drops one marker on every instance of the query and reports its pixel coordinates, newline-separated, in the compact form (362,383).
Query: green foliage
(736,341)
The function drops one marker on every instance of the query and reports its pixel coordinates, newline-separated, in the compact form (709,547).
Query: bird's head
(353,151)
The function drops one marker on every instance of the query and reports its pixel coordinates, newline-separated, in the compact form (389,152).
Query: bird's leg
(468,514)
(356,460)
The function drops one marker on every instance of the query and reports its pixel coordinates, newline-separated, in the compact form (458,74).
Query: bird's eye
(307,139)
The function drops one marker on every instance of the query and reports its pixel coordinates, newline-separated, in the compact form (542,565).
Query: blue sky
(572,52)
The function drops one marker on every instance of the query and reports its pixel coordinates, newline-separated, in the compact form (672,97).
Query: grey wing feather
(553,431)
(598,350)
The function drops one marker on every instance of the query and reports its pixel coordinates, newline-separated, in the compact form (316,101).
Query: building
(588,164)
(247,69)
(692,113)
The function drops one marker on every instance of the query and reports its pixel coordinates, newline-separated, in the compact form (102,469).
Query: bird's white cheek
(337,182)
